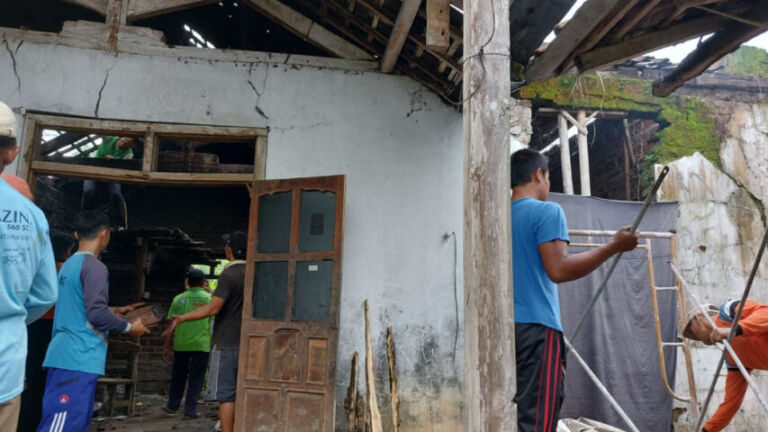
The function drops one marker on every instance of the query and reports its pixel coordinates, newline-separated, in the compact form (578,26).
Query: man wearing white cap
(28,286)
(750,343)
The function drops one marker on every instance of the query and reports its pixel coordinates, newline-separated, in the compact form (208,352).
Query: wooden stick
(350,402)
(586,189)
(565,155)
(393,380)
(370,379)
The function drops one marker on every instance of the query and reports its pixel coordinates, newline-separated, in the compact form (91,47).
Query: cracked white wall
(720,225)
(398,144)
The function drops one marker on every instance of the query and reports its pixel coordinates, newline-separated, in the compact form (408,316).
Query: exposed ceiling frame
(725,41)
(140,9)
(399,35)
(584,22)
(308,29)
(648,42)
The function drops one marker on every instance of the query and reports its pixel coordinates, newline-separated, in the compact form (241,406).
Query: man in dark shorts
(227,305)
(541,261)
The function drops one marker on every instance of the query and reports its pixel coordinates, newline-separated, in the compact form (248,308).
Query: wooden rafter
(99,6)
(725,41)
(399,35)
(633,18)
(438,25)
(647,42)
(416,39)
(308,29)
(140,9)
(682,8)
(598,33)
(586,19)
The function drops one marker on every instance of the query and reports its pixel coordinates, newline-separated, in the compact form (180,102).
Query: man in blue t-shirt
(541,261)
(81,326)
(27,276)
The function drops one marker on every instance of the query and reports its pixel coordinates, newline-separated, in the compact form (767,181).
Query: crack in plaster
(259,93)
(101,90)
(13,53)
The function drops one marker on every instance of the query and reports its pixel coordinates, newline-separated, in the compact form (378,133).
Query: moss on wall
(688,124)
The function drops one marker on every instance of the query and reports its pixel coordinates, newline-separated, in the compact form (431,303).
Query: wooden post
(489,308)
(586,190)
(565,155)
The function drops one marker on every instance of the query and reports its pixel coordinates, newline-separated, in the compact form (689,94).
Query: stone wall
(721,220)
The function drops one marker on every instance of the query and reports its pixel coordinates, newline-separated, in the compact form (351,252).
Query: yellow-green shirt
(191,335)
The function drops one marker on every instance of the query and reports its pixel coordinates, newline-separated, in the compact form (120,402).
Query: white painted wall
(398,144)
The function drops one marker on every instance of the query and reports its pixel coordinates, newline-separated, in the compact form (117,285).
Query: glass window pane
(275,222)
(312,297)
(269,290)
(318,221)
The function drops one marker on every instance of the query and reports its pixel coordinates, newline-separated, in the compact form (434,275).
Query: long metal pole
(604,284)
(744,296)
(600,386)
(728,348)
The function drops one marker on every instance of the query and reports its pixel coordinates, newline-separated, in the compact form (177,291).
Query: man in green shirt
(191,345)
(110,148)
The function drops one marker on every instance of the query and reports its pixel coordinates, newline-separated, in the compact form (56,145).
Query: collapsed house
(228,98)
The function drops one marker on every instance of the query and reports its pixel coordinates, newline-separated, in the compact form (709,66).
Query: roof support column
(488,295)
(586,187)
(565,154)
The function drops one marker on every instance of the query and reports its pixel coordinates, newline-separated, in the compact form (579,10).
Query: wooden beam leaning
(308,29)
(400,30)
(490,380)
(651,41)
(99,6)
(725,41)
(140,9)
(438,25)
(587,17)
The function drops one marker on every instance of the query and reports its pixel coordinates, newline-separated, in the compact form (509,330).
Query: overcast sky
(674,53)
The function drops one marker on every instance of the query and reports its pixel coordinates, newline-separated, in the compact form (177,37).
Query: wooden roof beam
(586,19)
(725,41)
(682,8)
(399,35)
(309,30)
(140,9)
(438,25)
(651,41)
(99,6)
(634,18)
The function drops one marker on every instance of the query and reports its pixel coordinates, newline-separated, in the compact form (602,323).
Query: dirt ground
(149,417)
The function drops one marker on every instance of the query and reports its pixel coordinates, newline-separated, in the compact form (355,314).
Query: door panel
(291,306)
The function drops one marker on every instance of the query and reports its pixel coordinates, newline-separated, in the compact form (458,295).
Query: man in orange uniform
(750,343)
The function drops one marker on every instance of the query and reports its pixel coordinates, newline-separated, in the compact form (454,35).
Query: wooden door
(286,377)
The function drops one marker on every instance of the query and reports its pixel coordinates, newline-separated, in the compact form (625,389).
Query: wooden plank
(634,18)
(151,151)
(399,34)
(586,19)
(725,41)
(585,186)
(141,9)
(438,25)
(99,6)
(308,29)
(648,42)
(620,11)
(260,162)
(392,361)
(370,378)
(565,155)
(681,8)
(128,176)
(490,381)
(350,402)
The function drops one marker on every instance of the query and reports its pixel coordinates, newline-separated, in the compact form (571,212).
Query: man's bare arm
(562,267)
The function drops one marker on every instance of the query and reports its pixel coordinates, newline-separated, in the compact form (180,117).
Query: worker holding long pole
(541,261)
(750,345)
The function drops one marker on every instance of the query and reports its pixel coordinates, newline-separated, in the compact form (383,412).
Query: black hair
(6,141)
(524,164)
(88,224)
(61,242)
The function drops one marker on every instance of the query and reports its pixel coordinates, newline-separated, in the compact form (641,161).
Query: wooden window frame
(30,167)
